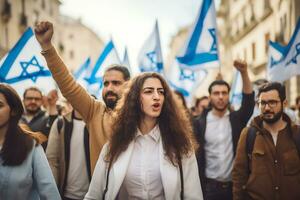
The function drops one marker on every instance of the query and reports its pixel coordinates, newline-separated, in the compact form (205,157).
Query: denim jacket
(32,180)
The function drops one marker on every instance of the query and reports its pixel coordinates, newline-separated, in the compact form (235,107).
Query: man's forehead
(113,75)
(272,94)
(33,93)
(219,88)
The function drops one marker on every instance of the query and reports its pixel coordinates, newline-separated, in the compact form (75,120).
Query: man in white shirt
(68,155)
(217,130)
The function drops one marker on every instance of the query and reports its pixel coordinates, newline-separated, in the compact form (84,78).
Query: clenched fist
(43,33)
(240,65)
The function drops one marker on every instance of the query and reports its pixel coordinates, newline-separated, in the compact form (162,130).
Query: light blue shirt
(32,180)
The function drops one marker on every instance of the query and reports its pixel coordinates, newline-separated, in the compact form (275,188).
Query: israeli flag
(201,50)
(288,57)
(82,72)
(109,56)
(125,61)
(24,66)
(183,80)
(150,56)
(236,91)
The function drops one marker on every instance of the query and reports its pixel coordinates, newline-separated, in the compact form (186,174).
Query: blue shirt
(32,180)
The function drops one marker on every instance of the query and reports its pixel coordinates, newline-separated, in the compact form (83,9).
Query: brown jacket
(94,113)
(275,170)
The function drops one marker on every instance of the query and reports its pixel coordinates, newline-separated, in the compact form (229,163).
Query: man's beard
(274,119)
(217,108)
(32,112)
(110,103)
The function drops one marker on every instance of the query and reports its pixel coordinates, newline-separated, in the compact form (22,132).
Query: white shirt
(143,178)
(77,180)
(218,147)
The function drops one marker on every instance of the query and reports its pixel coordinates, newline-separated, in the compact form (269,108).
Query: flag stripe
(5,67)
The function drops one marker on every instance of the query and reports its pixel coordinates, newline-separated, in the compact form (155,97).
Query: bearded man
(272,169)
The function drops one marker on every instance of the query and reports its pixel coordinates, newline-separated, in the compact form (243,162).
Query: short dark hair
(280,88)
(124,70)
(218,82)
(297,99)
(33,88)
(198,100)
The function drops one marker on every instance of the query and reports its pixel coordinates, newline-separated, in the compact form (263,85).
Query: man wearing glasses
(272,169)
(34,117)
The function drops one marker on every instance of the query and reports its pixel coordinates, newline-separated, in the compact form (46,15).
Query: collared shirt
(218,147)
(143,178)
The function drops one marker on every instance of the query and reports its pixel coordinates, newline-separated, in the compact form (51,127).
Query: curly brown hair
(174,124)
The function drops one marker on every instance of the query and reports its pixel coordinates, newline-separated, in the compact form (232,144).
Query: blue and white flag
(125,61)
(183,80)
(201,50)
(275,54)
(24,66)
(82,72)
(150,56)
(288,63)
(236,91)
(109,56)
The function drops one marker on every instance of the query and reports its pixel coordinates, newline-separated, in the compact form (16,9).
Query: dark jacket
(58,150)
(238,120)
(41,122)
(275,170)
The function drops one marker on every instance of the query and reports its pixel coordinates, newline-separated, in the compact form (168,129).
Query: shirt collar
(154,133)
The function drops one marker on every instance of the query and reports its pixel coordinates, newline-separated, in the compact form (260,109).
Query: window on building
(71,54)
(43,4)
(253,51)
(245,54)
(267,39)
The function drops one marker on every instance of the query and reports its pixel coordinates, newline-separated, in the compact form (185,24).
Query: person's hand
(52,97)
(240,65)
(43,33)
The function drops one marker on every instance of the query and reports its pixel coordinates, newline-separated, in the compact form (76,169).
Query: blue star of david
(32,62)
(183,75)
(212,32)
(152,57)
(294,58)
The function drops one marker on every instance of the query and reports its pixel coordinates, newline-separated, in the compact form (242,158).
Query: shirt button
(275,161)
(276,188)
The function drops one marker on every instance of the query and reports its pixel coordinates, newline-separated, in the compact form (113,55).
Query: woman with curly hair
(24,170)
(151,152)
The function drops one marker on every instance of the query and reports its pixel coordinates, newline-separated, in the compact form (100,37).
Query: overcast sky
(130,22)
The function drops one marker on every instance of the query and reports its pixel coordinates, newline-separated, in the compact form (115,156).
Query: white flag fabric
(183,80)
(82,72)
(108,56)
(150,56)
(201,50)
(125,61)
(24,66)
(288,63)
(236,91)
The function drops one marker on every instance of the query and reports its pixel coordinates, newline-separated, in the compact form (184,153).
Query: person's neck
(275,127)
(3,131)
(147,125)
(219,113)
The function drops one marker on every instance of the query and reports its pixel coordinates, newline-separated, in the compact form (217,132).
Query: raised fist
(240,65)
(43,33)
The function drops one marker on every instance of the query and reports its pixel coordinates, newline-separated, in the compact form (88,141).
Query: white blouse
(143,177)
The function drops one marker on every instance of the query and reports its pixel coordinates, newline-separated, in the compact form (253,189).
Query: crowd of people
(143,142)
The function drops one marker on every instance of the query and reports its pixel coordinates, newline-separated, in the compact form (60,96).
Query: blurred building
(74,41)
(244,30)
(77,42)
(246,26)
